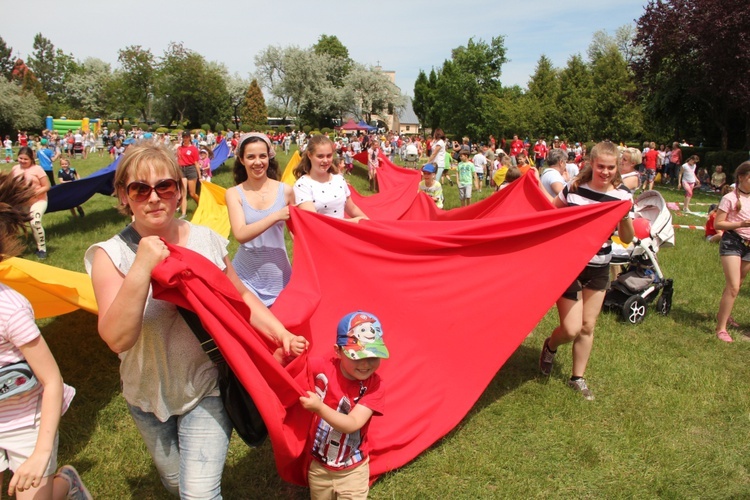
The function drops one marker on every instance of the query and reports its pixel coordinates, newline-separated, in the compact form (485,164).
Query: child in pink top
(29,419)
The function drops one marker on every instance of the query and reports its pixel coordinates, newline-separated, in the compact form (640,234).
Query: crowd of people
(168,382)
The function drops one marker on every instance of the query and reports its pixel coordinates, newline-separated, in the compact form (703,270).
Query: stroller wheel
(663,306)
(634,309)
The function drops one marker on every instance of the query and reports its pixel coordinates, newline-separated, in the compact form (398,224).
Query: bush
(326,130)
(206,127)
(730,160)
(218,127)
(246,128)
(230,126)
(162,130)
(142,125)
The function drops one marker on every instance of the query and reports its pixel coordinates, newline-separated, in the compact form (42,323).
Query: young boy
(347,393)
(430,186)
(465,177)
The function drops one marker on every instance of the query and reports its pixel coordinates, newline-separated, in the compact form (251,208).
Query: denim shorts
(733,244)
(592,277)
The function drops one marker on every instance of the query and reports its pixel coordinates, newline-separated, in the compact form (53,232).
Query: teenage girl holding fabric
(258,207)
(319,187)
(579,306)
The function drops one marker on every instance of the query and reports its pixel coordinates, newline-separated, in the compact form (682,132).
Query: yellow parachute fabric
(288,176)
(212,209)
(52,291)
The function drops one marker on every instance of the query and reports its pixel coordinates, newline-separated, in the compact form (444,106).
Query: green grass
(670,418)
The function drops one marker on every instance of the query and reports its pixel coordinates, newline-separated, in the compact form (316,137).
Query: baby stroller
(643,280)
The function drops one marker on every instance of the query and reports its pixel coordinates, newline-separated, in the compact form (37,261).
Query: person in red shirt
(516,146)
(540,152)
(188,158)
(649,161)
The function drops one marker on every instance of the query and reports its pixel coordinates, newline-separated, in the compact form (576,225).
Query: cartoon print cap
(360,336)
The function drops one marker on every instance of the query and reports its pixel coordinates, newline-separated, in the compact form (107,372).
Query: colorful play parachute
(423,279)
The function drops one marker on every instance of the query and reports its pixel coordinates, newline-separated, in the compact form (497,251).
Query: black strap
(131,238)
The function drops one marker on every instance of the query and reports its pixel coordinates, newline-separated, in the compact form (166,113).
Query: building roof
(407,114)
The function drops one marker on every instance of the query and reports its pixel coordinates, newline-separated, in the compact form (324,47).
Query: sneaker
(546,358)
(182,217)
(580,386)
(40,254)
(77,489)
(724,336)
(80,211)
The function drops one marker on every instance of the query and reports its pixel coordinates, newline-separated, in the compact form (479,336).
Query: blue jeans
(188,450)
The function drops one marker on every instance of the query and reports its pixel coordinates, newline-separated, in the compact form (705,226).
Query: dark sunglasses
(140,191)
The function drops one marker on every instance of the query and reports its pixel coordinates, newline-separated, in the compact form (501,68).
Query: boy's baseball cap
(429,168)
(360,336)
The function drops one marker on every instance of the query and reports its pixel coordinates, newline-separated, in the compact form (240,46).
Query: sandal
(731,322)
(724,336)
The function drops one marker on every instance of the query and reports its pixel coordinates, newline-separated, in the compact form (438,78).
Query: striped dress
(262,263)
(585,195)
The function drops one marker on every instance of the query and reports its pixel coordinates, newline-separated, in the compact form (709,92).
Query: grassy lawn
(670,418)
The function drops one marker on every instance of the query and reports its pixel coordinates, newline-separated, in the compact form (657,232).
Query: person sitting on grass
(718,178)
(29,419)
(465,177)
(713,235)
(430,186)
(348,392)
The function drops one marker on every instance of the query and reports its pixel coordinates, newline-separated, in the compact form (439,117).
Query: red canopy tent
(351,125)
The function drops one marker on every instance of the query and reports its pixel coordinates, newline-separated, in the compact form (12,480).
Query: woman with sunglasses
(168,381)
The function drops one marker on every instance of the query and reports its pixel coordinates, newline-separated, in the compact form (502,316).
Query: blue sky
(403,36)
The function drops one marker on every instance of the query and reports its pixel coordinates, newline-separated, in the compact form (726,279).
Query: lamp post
(235,103)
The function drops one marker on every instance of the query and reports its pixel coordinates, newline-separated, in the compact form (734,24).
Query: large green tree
(695,62)
(6,59)
(88,90)
(576,100)
(52,68)
(193,91)
(542,99)
(342,64)
(133,84)
(18,109)
(424,99)
(467,87)
(616,111)
(254,111)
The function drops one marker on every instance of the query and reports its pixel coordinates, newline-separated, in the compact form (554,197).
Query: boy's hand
(311,402)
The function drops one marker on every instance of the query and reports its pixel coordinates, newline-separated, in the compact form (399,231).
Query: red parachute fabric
(405,202)
(429,283)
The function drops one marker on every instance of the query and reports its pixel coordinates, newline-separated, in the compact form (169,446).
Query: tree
(617,114)
(270,73)
(695,57)
(19,110)
(134,83)
(467,85)
(623,40)
(542,99)
(6,59)
(254,111)
(576,102)
(342,64)
(87,90)
(192,90)
(424,98)
(52,67)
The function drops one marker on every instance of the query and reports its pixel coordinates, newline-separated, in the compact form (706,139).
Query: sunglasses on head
(140,191)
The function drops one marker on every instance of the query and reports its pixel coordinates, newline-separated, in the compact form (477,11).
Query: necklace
(262,191)
(741,191)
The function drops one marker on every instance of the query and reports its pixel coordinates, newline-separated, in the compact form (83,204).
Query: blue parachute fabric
(73,194)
